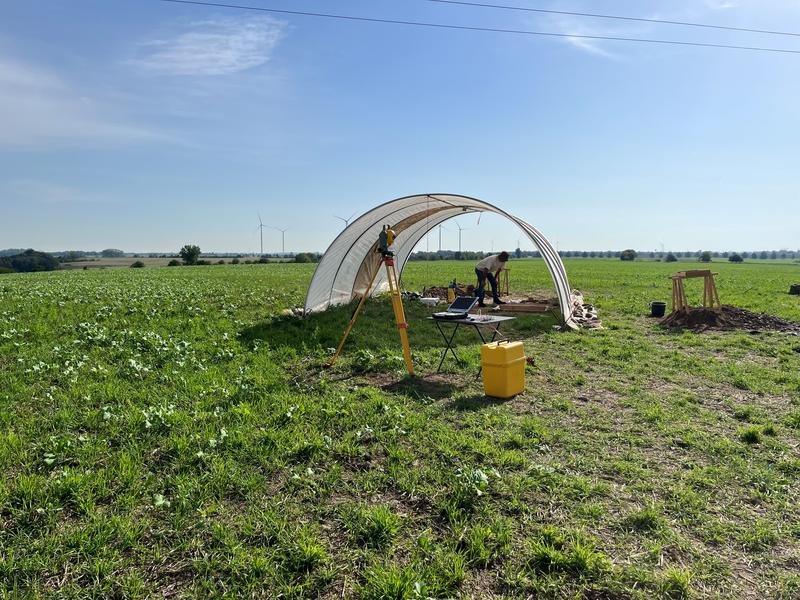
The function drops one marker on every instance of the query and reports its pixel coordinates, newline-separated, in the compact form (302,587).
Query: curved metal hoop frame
(351,259)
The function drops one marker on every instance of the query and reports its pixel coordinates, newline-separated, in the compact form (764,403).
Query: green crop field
(170,433)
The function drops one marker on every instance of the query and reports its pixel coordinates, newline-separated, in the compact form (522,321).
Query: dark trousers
(481,291)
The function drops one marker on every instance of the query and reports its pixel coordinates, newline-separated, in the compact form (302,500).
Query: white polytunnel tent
(345,270)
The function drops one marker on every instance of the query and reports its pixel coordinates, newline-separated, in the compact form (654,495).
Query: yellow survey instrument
(386,240)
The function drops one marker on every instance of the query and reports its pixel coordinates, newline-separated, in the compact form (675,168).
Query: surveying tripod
(387,260)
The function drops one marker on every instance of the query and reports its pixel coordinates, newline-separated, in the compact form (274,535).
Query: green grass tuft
(750,435)
(675,584)
(304,553)
(760,536)
(745,413)
(553,553)
(483,545)
(646,520)
(391,582)
(374,526)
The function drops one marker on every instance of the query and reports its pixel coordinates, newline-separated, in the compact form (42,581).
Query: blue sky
(145,125)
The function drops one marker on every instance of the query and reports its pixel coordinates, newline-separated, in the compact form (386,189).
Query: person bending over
(489,268)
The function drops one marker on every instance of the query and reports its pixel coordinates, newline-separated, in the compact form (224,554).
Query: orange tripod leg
(399,313)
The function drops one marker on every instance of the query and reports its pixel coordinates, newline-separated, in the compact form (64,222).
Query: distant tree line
(468,255)
(73,255)
(688,254)
(12,251)
(16,260)
(628,254)
(28,261)
(190,255)
(78,255)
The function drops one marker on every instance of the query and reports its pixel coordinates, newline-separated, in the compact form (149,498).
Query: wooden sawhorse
(710,296)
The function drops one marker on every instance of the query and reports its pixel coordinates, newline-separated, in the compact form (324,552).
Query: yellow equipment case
(503,365)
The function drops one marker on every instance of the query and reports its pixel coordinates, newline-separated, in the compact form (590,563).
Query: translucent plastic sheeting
(348,264)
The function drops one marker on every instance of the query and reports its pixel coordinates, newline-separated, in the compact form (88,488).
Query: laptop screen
(463,304)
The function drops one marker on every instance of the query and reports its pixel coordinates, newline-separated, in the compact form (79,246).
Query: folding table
(492,321)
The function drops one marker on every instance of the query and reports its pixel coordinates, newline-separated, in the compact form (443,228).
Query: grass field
(115,262)
(167,432)
(149,261)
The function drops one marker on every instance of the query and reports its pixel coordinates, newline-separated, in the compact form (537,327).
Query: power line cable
(617,17)
(484,29)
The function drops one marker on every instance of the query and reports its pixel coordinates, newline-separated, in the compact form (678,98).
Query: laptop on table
(458,309)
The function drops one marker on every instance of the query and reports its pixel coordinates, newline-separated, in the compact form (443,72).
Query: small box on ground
(503,365)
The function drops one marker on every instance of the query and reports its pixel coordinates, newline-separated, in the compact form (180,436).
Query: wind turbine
(440,235)
(261,227)
(460,229)
(346,221)
(283,239)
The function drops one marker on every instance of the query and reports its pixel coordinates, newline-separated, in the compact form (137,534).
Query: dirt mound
(441,292)
(728,317)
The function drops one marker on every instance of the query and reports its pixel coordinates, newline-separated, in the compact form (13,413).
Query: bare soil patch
(728,318)
(436,291)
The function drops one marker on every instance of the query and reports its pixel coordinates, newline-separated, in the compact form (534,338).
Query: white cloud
(213,47)
(43,192)
(38,108)
(720,4)
(589,45)
(576,27)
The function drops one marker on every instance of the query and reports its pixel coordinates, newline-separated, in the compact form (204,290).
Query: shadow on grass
(428,386)
(476,403)
(375,329)
(322,329)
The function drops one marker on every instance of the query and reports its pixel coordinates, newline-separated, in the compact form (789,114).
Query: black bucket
(657,309)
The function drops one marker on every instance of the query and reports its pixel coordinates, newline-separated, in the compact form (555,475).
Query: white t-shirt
(492,263)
